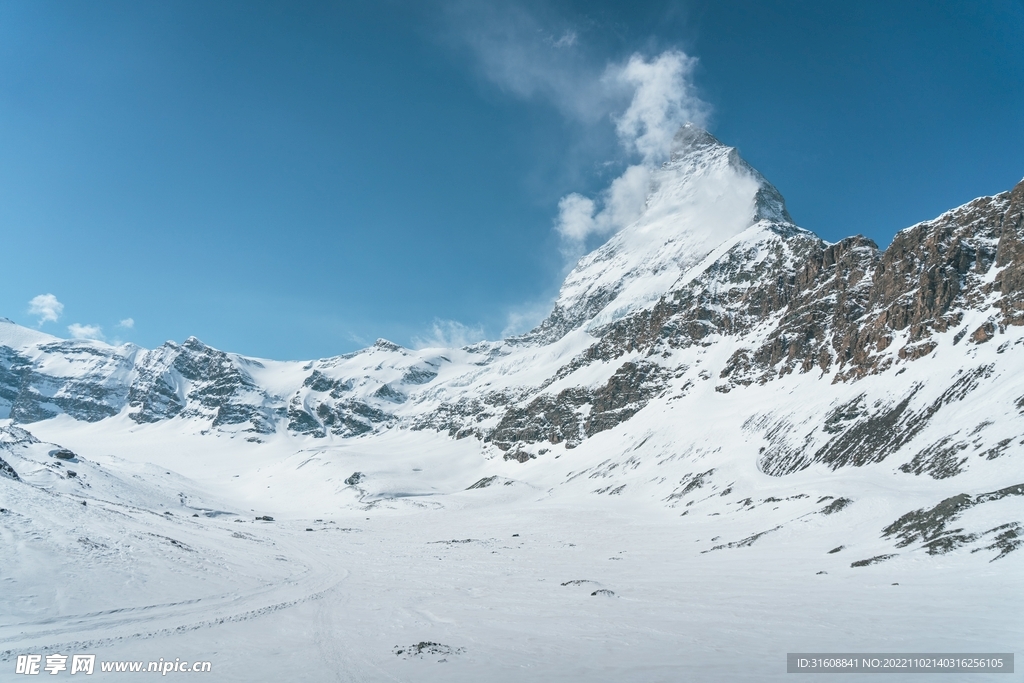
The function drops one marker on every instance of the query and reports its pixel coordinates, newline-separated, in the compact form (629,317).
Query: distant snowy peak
(702,197)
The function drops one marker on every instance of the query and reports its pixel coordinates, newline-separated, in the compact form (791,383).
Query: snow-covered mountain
(714,268)
(712,360)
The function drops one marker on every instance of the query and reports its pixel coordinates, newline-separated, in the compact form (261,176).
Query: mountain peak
(691,138)
(693,148)
(386,345)
(703,196)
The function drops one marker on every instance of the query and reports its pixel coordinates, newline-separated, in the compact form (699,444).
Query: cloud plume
(646,98)
(662,100)
(620,204)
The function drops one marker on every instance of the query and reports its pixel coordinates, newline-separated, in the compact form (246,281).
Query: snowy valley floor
(503,583)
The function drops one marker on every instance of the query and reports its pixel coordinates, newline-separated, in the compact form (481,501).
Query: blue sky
(294,180)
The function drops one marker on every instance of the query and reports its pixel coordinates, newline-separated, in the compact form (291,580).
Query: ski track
(85,631)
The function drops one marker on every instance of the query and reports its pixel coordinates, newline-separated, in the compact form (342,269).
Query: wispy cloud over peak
(618,205)
(525,317)
(662,101)
(449,334)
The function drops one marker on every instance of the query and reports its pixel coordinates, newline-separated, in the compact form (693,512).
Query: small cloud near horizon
(46,307)
(78,331)
(127,323)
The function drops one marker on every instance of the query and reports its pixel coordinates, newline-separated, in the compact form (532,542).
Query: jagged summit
(692,144)
(692,138)
(692,141)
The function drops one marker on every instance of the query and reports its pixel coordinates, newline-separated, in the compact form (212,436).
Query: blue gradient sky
(294,180)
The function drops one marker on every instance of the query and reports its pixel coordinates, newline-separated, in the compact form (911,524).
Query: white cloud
(576,217)
(46,307)
(127,323)
(625,197)
(449,334)
(621,203)
(78,331)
